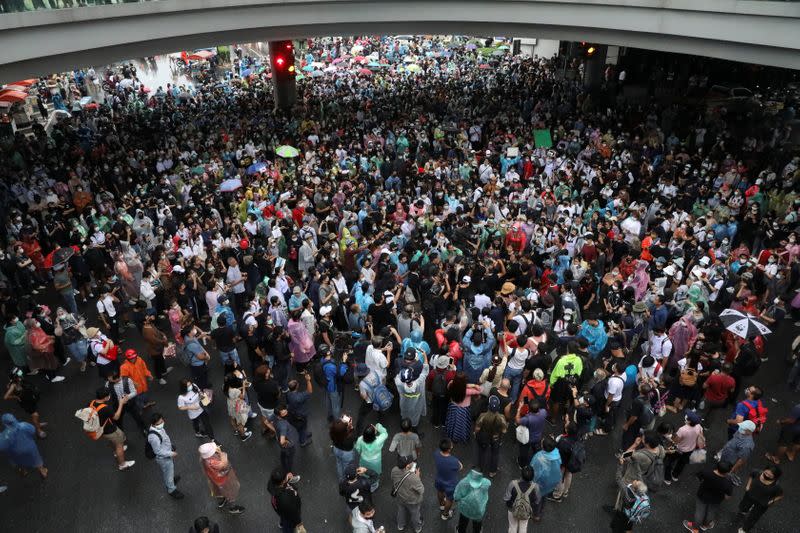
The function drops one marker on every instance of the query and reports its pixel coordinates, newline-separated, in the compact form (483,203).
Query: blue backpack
(380,395)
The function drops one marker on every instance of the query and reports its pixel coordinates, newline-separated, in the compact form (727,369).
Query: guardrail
(19,6)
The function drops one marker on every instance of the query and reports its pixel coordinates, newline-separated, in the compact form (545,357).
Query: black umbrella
(743,324)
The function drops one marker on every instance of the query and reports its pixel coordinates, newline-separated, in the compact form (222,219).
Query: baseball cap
(747,426)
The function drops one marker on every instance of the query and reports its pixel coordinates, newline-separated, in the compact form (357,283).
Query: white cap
(466,279)
(207,450)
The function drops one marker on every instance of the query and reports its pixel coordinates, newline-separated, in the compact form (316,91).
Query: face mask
(160,426)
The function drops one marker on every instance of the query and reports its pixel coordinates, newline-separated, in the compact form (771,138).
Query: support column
(595,66)
(281,60)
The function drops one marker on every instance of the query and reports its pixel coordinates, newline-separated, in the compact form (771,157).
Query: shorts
(118,437)
(448,490)
(29,406)
(789,435)
(269,414)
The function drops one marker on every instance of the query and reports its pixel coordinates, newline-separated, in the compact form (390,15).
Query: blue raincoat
(18,442)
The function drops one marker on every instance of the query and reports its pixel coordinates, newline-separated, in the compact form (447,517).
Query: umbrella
(499,53)
(246,72)
(300,77)
(24,83)
(255,168)
(742,324)
(198,170)
(409,59)
(359,59)
(13,96)
(373,64)
(413,67)
(484,66)
(471,46)
(287,151)
(337,60)
(202,55)
(308,68)
(356,49)
(330,69)
(232,184)
(504,47)
(317,74)
(91,106)
(365,71)
(58,256)
(318,64)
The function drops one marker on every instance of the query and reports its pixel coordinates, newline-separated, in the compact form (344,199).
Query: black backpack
(578,457)
(148,450)
(439,385)
(319,373)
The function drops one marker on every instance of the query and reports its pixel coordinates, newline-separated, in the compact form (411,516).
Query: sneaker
(176,494)
(441,508)
(221,503)
(295,479)
(162,381)
(741,531)
(690,526)
(667,482)
(236,509)
(33,372)
(247,435)
(600,432)
(124,447)
(448,515)
(3,488)
(200,435)
(42,435)
(552,498)
(674,479)
(168,370)
(126,465)
(57,379)
(67,361)
(253,414)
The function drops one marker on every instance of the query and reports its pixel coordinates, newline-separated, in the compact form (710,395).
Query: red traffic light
(280,61)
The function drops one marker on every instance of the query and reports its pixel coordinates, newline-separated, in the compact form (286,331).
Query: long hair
(458,388)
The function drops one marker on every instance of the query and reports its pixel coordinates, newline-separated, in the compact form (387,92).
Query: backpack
(542,398)
(654,476)
(578,457)
(91,419)
(598,391)
(523,434)
(521,508)
(757,414)
(148,450)
(528,324)
(639,510)
(647,416)
(439,385)
(183,355)
(319,373)
(382,398)
(545,318)
(688,377)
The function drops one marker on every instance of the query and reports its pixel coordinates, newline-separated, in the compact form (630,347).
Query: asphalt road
(85,492)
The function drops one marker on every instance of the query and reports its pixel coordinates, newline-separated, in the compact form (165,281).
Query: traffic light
(587,49)
(282,59)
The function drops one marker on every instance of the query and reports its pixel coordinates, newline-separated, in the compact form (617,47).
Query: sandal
(772,458)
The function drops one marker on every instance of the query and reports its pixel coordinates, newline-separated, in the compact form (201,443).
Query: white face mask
(159,426)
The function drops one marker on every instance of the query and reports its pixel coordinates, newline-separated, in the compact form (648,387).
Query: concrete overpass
(41,42)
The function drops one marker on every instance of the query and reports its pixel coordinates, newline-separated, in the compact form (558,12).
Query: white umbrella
(744,325)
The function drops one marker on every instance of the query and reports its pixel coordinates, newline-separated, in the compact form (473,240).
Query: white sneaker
(162,381)
(126,465)
(57,379)
(168,370)
(3,488)
(67,360)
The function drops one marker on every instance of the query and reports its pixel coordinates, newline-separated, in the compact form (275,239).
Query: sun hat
(207,450)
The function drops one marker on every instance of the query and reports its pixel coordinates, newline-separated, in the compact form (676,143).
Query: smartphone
(627,454)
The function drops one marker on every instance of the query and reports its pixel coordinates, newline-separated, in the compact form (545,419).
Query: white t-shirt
(660,347)
(106,305)
(614,387)
(517,358)
(375,360)
(190,398)
(234,275)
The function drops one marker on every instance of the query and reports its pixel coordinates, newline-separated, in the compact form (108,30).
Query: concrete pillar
(595,66)
(281,60)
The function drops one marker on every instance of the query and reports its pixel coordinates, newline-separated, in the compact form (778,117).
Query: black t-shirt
(713,488)
(504,400)
(268,393)
(106,414)
(636,409)
(381,316)
(224,338)
(760,492)
(356,492)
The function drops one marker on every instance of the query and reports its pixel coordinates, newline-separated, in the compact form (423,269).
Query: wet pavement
(85,492)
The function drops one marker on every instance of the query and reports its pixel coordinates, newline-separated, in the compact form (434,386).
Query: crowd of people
(423,251)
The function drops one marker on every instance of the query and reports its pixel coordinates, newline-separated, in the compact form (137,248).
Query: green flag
(542,138)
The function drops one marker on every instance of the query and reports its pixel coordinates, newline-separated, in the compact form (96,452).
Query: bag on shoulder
(439,385)
(521,508)
(523,434)
(91,419)
(648,415)
(757,414)
(319,374)
(148,449)
(578,457)
(382,398)
(639,511)
(654,476)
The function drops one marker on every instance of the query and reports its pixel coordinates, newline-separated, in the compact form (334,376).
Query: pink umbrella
(337,60)
(359,59)
(484,66)
(13,96)
(365,71)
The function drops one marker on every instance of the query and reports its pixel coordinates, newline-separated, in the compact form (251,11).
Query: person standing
(761,492)
(27,395)
(687,439)
(285,500)
(135,368)
(489,429)
(164,453)
(297,403)
(221,476)
(546,464)
(534,421)
(369,447)
(104,351)
(447,469)
(738,450)
(789,437)
(343,440)
(203,525)
(521,497)
(18,441)
(409,490)
(107,418)
(124,387)
(190,400)
(67,326)
(198,357)
(156,341)
(472,495)
(334,372)
(287,436)
(361,519)
(62,282)
(715,487)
